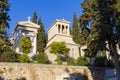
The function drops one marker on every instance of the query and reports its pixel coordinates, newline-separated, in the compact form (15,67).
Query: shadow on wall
(72,76)
(23,78)
(1,78)
(79,76)
(98,73)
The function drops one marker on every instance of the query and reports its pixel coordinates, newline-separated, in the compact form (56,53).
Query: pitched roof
(26,24)
(62,20)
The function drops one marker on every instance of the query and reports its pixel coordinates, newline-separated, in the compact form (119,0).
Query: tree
(24,58)
(41,37)
(4,18)
(75,30)
(71,61)
(34,19)
(81,61)
(59,48)
(102,18)
(8,55)
(100,61)
(41,58)
(25,45)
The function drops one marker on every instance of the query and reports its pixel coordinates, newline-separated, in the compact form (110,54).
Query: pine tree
(102,16)
(41,37)
(34,19)
(4,18)
(75,29)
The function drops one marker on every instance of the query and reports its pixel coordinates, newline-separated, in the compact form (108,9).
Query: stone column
(60,29)
(68,30)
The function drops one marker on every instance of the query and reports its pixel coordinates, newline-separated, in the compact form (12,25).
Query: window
(58,28)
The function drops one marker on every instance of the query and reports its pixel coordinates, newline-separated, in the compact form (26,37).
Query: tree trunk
(116,60)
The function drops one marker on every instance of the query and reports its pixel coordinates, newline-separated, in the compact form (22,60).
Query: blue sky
(48,10)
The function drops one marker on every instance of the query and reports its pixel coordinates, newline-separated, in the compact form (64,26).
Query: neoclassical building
(60,31)
(29,30)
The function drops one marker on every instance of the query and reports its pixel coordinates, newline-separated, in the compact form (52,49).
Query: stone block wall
(22,71)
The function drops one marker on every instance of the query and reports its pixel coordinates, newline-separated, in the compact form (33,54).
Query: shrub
(71,61)
(24,58)
(8,55)
(110,63)
(100,61)
(81,61)
(59,61)
(41,58)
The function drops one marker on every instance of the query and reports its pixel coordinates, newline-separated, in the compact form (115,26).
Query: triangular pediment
(28,24)
(62,20)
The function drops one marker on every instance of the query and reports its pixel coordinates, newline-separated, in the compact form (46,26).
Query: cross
(29,18)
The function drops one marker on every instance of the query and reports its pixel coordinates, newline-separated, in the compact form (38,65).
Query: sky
(47,10)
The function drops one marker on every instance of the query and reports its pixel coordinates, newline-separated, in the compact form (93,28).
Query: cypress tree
(75,29)
(41,37)
(4,18)
(102,16)
(34,19)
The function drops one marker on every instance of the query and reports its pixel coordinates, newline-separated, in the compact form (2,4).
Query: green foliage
(41,37)
(4,18)
(102,18)
(75,30)
(24,58)
(100,61)
(110,63)
(81,61)
(71,61)
(59,61)
(8,55)
(41,58)
(1,46)
(59,48)
(25,45)
(34,19)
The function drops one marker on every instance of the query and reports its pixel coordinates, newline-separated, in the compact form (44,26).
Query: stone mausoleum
(60,31)
(27,29)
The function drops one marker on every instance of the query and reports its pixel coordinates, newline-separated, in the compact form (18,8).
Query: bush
(100,61)
(8,55)
(59,61)
(110,63)
(71,61)
(24,58)
(41,58)
(81,61)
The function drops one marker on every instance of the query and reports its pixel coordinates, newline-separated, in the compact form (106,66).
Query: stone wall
(21,71)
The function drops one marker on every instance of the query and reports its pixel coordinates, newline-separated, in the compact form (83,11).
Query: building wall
(54,29)
(27,32)
(61,37)
(58,32)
